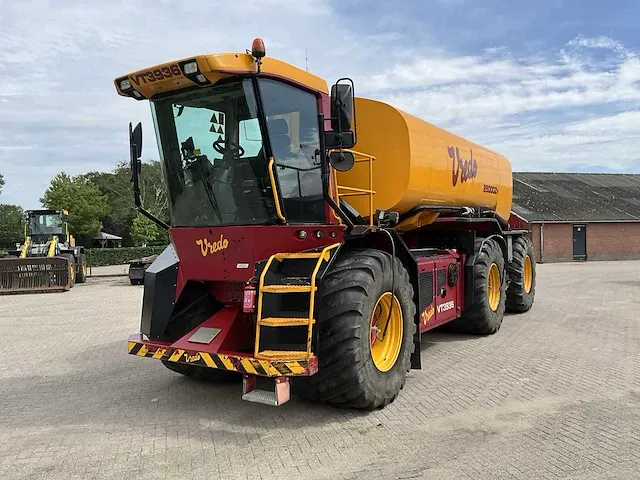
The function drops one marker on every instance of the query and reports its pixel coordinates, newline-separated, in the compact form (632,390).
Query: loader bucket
(33,275)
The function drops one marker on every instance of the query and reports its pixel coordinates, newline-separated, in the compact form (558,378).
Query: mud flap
(159,293)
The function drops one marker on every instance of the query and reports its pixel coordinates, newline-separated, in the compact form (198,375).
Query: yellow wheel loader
(48,259)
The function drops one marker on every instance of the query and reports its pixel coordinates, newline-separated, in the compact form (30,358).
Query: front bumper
(140,346)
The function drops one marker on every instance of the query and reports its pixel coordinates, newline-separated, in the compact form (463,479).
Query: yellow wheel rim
(527,274)
(493,287)
(386,340)
(72,272)
(84,269)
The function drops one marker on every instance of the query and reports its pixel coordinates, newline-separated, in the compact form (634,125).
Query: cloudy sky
(554,85)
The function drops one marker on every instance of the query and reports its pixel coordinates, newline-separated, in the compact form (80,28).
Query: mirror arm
(152,217)
(135,152)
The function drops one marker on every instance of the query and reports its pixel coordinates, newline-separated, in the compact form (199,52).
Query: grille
(425,282)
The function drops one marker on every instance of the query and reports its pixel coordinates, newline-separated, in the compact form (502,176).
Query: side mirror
(135,151)
(342,161)
(135,141)
(342,102)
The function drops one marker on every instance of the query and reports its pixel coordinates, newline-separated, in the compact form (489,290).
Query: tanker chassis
(315,235)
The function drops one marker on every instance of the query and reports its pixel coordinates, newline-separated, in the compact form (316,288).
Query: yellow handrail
(276,197)
(343,191)
(326,256)
(323,256)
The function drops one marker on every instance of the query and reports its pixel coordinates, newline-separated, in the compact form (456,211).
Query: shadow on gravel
(101,388)
(108,281)
(626,283)
(435,337)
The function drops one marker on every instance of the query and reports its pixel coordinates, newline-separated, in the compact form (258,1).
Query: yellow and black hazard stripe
(234,363)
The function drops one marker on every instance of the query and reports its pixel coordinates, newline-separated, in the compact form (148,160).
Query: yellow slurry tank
(418,163)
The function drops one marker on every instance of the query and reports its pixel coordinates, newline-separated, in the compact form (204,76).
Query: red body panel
(449,306)
(231,322)
(230,253)
(231,349)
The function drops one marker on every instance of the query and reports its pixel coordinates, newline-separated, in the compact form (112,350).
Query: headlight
(190,68)
(125,84)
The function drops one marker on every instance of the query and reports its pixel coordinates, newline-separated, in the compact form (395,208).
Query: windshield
(45,224)
(214,160)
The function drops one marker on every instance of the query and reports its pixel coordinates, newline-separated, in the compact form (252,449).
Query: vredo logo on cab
(207,247)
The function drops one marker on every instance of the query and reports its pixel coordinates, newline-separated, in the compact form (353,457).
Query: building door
(579,242)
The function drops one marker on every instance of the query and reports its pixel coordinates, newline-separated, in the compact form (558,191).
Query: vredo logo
(462,169)
(443,307)
(427,314)
(207,247)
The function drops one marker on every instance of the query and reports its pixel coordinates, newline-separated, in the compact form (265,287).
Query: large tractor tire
(81,273)
(72,268)
(359,364)
(522,276)
(484,316)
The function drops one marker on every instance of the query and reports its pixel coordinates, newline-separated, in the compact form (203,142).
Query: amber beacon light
(257,49)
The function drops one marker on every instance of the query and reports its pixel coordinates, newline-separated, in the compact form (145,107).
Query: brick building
(579,216)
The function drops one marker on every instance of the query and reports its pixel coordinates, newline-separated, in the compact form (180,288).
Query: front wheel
(81,274)
(366,332)
(71,265)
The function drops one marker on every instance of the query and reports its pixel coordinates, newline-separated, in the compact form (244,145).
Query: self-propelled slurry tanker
(315,235)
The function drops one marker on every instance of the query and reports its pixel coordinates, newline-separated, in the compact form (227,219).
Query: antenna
(306,59)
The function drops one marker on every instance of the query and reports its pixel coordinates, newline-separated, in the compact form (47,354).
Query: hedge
(99,257)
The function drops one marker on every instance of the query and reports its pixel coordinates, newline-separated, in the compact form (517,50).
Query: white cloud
(59,109)
(540,98)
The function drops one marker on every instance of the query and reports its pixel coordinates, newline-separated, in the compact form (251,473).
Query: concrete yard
(554,394)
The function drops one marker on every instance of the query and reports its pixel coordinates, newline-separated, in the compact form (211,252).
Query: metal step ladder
(306,268)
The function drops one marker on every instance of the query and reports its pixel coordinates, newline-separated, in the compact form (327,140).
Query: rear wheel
(522,276)
(81,274)
(365,333)
(484,316)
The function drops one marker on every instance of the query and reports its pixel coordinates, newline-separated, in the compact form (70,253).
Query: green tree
(11,225)
(117,189)
(83,200)
(1,182)
(144,232)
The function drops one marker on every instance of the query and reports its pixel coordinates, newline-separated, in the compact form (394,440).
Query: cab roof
(180,74)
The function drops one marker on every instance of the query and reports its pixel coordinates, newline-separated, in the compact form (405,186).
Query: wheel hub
(494,284)
(527,274)
(386,332)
